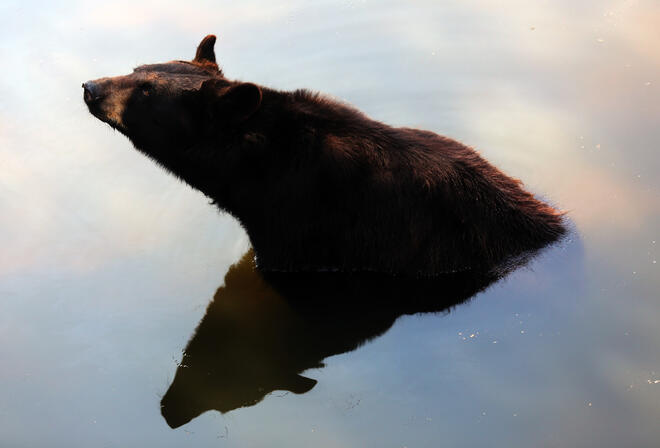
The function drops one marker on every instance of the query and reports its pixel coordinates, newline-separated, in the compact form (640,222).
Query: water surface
(108,263)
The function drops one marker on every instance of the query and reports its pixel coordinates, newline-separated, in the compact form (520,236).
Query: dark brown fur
(318,185)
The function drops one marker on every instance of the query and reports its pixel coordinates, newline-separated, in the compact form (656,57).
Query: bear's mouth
(111,122)
(96,110)
(107,108)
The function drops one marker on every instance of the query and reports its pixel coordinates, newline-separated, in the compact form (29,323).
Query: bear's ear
(205,53)
(236,102)
(211,88)
(243,99)
(298,384)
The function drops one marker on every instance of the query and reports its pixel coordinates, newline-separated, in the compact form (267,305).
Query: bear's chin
(114,124)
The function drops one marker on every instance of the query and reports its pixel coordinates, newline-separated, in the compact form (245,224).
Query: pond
(115,277)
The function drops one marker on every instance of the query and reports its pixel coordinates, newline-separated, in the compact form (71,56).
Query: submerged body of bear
(318,185)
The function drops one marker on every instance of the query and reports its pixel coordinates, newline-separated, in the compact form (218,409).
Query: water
(108,263)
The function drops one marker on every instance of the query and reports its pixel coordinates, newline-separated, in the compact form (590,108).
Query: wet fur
(318,185)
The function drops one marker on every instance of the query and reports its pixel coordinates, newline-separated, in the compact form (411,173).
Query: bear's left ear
(236,102)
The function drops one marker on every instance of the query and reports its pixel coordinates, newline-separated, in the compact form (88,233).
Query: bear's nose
(92,92)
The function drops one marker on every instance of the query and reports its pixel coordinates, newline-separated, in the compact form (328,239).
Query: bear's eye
(146,88)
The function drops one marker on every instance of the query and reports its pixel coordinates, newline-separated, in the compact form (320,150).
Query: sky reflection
(108,263)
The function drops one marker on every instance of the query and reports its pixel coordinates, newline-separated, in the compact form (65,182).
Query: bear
(316,184)
(262,330)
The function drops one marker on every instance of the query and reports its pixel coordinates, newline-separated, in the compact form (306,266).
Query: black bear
(318,185)
(262,330)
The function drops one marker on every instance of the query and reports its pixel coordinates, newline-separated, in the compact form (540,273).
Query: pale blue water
(108,263)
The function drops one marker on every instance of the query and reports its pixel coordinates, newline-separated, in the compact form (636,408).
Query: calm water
(108,264)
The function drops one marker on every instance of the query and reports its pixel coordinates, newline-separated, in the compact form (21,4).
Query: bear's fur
(318,185)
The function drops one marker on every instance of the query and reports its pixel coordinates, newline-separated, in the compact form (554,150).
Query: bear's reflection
(262,330)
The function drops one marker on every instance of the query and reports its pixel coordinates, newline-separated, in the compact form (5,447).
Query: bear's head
(167,109)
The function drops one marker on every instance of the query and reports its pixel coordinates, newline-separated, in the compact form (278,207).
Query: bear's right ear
(205,53)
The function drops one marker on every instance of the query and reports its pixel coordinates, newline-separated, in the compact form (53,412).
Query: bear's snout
(92,92)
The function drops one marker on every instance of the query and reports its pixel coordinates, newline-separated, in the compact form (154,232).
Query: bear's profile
(318,185)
